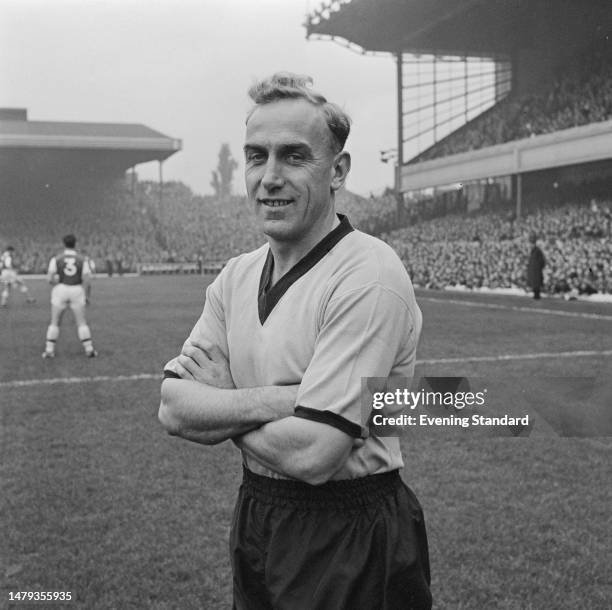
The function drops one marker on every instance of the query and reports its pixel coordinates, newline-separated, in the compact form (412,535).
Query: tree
(222,177)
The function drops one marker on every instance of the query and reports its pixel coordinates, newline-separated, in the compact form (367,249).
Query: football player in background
(9,277)
(70,274)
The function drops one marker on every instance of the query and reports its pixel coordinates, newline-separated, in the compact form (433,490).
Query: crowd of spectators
(122,226)
(191,226)
(121,229)
(109,225)
(488,250)
(581,94)
(491,251)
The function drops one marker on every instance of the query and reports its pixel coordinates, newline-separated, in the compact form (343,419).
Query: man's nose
(272,178)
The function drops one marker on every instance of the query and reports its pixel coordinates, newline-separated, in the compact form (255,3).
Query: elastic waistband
(348,493)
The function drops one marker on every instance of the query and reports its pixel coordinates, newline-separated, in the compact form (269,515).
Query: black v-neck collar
(268,296)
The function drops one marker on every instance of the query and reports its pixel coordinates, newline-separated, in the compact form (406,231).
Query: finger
(188,363)
(202,344)
(196,354)
(181,371)
(188,344)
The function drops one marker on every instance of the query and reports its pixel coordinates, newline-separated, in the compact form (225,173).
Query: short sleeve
(210,326)
(365,333)
(52,269)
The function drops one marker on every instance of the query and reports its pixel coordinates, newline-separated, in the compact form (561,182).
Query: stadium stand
(531,161)
(579,94)
(450,239)
(490,251)
(106,223)
(113,223)
(59,177)
(484,250)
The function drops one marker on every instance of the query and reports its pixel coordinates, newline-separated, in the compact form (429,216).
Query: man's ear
(340,169)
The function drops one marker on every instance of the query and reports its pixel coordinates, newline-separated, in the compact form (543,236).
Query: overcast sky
(182,67)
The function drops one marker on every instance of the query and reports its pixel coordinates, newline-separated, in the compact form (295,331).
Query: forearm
(297,448)
(209,415)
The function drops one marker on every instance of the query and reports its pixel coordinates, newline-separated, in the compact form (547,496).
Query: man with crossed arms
(275,362)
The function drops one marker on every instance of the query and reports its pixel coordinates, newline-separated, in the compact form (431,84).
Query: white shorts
(10,277)
(63,295)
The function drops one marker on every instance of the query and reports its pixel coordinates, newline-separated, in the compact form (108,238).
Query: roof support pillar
(435,98)
(161,183)
(400,137)
(518,188)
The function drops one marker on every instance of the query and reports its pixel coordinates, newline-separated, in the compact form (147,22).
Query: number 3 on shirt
(70,266)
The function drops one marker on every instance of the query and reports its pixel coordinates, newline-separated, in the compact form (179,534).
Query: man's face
(290,170)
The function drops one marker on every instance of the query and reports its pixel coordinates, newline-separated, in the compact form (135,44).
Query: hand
(205,362)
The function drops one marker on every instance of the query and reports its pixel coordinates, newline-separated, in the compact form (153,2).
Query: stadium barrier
(211,267)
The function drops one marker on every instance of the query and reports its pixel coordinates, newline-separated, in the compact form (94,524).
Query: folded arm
(208,415)
(203,405)
(364,329)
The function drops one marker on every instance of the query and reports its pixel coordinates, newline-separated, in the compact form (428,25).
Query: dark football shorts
(344,545)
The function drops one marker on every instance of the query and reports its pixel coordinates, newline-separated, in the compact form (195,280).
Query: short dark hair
(286,85)
(69,241)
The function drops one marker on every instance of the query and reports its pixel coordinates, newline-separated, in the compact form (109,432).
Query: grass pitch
(97,500)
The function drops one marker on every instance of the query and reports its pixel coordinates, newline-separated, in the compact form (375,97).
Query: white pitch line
(554,312)
(502,357)
(25,383)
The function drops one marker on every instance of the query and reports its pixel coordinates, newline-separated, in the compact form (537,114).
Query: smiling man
(323,519)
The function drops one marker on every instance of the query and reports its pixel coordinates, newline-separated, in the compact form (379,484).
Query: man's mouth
(275,203)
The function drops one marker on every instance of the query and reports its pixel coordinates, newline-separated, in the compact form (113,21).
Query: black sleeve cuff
(329,418)
(168,374)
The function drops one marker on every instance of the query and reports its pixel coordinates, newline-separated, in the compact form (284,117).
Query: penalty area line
(540,310)
(504,357)
(25,383)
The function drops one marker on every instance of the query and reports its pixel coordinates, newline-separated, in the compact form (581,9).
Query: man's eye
(295,157)
(255,157)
